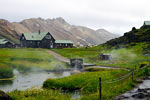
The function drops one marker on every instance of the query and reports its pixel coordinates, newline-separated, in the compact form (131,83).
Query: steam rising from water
(123,55)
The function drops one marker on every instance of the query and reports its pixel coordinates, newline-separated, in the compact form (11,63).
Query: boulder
(139,95)
(4,96)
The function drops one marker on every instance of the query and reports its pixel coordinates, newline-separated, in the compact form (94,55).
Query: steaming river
(29,80)
(33,79)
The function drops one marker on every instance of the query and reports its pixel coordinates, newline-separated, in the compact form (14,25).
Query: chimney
(39,31)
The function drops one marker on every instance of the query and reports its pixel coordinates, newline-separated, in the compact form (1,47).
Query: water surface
(29,79)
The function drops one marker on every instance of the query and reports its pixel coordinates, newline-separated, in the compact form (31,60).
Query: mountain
(105,34)
(7,32)
(61,30)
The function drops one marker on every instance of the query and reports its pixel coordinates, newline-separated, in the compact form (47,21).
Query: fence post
(135,67)
(132,75)
(100,89)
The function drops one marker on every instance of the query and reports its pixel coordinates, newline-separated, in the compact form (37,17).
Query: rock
(139,95)
(4,96)
(142,90)
(142,65)
(121,97)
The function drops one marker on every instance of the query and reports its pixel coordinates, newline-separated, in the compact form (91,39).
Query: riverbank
(141,92)
(5,72)
(39,94)
(87,83)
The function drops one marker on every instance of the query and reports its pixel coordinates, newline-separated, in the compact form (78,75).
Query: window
(48,37)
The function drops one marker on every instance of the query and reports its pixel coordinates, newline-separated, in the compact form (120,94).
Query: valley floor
(87,82)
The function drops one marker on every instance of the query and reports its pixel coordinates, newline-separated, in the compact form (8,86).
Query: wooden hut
(37,40)
(76,63)
(104,57)
(43,40)
(63,44)
(146,24)
(6,44)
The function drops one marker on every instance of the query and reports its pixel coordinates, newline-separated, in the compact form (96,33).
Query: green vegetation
(128,57)
(114,82)
(87,82)
(88,55)
(26,59)
(126,52)
(5,72)
(133,36)
(36,94)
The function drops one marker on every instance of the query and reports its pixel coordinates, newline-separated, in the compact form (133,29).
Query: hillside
(7,32)
(60,29)
(134,36)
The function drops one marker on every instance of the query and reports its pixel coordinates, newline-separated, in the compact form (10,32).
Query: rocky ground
(4,96)
(142,92)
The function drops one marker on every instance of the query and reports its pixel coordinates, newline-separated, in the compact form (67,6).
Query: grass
(87,82)
(28,58)
(5,72)
(128,57)
(24,60)
(36,94)
(88,55)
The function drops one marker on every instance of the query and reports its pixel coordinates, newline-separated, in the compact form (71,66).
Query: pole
(135,67)
(132,75)
(100,89)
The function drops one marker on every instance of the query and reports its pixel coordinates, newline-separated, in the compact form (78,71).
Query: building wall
(47,42)
(63,45)
(44,43)
(7,45)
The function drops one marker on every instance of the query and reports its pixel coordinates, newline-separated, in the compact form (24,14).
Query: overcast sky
(116,16)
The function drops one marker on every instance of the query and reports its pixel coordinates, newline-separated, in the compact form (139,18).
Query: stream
(141,92)
(33,79)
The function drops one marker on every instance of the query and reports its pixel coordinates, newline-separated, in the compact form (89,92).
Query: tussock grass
(88,83)
(37,94)
(5,71)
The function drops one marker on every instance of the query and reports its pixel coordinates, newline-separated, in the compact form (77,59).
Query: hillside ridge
(62,30)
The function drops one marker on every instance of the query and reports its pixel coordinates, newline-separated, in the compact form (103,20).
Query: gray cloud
(117,16)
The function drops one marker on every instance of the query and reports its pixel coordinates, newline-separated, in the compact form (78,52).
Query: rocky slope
(60,29)
(7,32)
(132,37)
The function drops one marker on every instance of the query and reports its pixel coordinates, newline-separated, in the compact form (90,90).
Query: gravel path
(58,56)
(64,59)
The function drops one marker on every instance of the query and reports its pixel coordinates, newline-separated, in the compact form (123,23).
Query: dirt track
(58,56)
(66,60)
